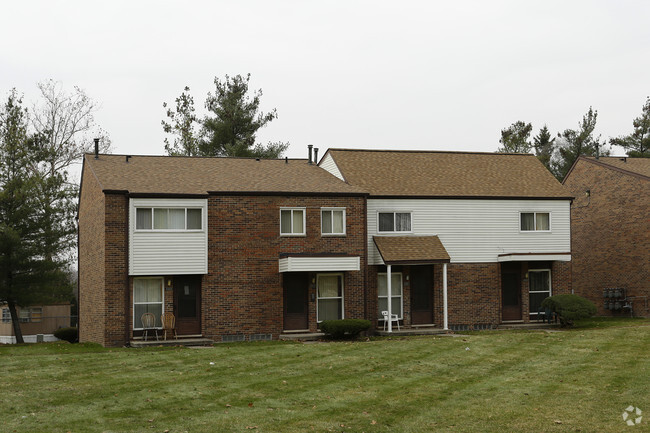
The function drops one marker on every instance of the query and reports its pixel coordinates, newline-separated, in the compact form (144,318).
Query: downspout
(365,259)
(390,295)
(444,297)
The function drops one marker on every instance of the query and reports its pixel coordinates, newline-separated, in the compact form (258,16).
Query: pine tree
(544,146)
(516,138)
(637,144)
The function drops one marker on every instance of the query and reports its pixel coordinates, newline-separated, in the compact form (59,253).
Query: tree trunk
(16,322)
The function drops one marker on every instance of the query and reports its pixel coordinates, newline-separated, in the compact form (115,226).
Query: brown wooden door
(296,305)
(421,294)
(187,305)
(510,296)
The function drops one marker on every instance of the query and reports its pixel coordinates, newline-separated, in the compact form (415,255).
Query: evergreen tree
(637,144)
(230,127)
(36,217)
(516,138)
(573,143)
(544,146)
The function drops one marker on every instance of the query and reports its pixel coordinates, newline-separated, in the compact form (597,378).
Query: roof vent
(309,148)
(316,155)
(286,160)
(96,148)
(624,159)
(127,158)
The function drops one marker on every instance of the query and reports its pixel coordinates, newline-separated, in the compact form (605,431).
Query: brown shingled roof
(633,165)
(193,175)
(411,249)
(447,174)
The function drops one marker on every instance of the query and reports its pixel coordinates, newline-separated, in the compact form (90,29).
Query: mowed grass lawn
(578,380)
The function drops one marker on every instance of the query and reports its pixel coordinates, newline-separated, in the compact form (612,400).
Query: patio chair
(169,324)
(393,318)
(148,324)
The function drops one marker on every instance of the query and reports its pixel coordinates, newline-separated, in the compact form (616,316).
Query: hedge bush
(70,335)
(569,308)
(350,328)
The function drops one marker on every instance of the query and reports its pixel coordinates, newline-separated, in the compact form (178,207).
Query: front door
(187,305)
(510,296)
(421,294)
(296,305)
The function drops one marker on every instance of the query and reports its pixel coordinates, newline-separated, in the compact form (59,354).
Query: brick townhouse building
(610,221)
(246,249)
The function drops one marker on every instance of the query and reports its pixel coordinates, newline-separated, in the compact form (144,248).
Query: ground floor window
(147,298)
(396,293)
(539,287)
(329,299)
(6,315)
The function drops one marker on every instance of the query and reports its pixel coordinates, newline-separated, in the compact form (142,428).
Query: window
(539,288)
(6,315)
(292,222)
(396,293)
(26,315)
(329,299)
(147,298)
(332,221)
(535,221)
(147,218)
(394,221)
(36,314)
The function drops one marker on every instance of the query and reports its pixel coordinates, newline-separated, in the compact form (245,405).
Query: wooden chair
(149,323)
(169,324)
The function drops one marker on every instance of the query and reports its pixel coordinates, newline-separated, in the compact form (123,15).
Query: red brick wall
(242,294)
(610,233)
(91,260)
(117,285)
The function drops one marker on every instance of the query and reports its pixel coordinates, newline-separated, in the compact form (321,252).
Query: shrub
(338,329)
(569,308)
(68,334)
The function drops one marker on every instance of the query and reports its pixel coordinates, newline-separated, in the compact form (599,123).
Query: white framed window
(171,219)
(329,297)
(6,315)
(147,298)
(332,221)
(535,221)
(397,299)
(539,288)
(292,221)
(393,222)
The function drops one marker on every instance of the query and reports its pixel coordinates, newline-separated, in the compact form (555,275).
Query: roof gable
(640,166)
(448,174)
(195,175)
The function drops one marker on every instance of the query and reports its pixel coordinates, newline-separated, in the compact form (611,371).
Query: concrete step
(173,342)
(308,336)
(412,331)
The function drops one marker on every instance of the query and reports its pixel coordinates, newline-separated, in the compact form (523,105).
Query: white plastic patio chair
(393,318)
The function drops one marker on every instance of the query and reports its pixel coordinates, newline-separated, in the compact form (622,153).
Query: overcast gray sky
(361,74)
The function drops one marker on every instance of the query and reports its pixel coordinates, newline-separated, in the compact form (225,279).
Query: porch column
(390,307)
(444,296)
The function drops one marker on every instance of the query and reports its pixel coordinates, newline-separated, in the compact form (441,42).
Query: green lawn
(579,380)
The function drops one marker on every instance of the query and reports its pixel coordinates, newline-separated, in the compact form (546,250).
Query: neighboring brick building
(238,249)
(496,225)
(610,221)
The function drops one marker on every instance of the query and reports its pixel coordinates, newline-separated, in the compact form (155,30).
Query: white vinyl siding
(475,231)
(328,164)
(166,252)
(319,264)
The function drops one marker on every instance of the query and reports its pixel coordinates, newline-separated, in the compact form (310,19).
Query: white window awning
(319,263)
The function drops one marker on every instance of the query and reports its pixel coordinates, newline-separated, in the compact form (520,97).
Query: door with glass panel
(296,306)
(187,304)
(539,288)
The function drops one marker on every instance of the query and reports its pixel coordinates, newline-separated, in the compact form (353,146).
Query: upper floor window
(292,222)
(535,221)
(394,222)
(148,218)
(332,221)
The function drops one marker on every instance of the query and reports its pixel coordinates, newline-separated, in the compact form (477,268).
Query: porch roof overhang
(534,257)
(411,250)
(319,263)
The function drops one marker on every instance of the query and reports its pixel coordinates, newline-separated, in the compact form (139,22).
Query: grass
(577,380)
